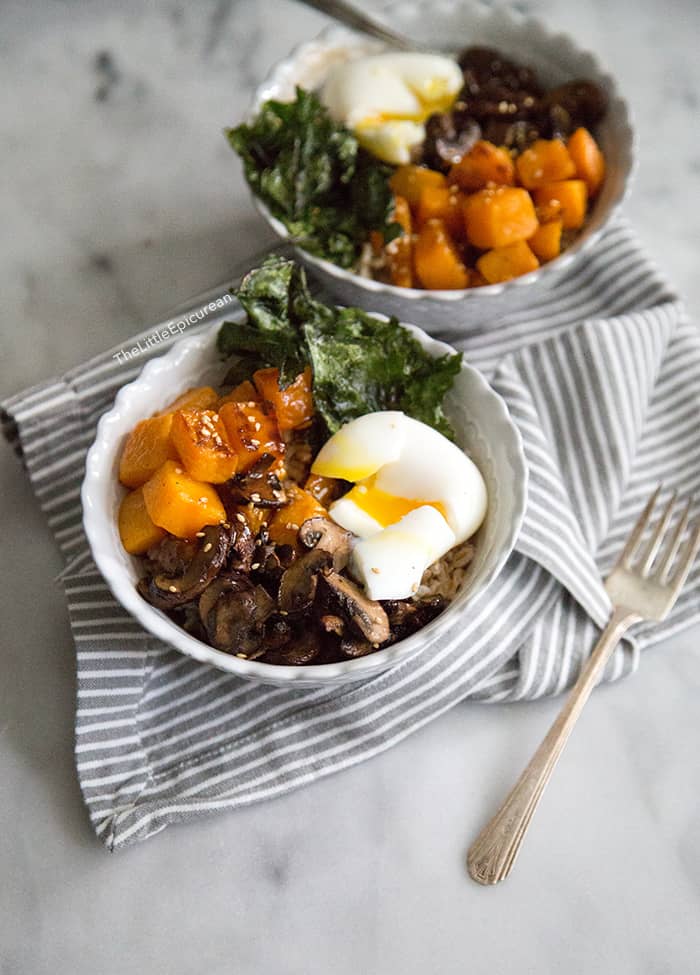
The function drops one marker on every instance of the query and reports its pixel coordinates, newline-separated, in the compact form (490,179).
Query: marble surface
(119,198)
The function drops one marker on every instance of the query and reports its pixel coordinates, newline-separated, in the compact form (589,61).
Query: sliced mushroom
(243,547)
(225,582)
(167,592)
(302,650)
(407,616)
(366,616)
(356,647)
(258,486)
(298,583)
(236,622)
(324,535)
(170,556)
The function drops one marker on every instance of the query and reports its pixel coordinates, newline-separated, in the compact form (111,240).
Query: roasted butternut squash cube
(197,398)
(244,392)
(410,181)
(545,243)
(545,160)
(287,521)
(293,406)
(444,203)
(251,432)
(588,160)
(485,163)
(498,216)
(179,503)
(437,262)
(572,197)
(137,529)
(148,446)
(201,440)
(504,263)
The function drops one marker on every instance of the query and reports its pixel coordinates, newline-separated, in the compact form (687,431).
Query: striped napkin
(602,376)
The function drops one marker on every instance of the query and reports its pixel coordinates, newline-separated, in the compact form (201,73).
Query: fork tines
(674,557)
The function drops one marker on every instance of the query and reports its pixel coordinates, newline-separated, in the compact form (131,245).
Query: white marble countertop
(119,198)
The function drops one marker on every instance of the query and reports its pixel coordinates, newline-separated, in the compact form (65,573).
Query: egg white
(385,98)
(416,496)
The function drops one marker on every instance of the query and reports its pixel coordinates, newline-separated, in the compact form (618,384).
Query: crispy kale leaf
(360,363)
(314,176)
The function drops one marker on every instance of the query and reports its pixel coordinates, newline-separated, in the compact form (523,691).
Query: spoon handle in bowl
(346,14)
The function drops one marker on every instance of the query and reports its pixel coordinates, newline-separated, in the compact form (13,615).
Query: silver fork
(643,585)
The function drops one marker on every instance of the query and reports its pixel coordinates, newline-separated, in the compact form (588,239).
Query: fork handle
(493,853)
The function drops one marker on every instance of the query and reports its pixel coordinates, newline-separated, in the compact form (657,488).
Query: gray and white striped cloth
(602,376)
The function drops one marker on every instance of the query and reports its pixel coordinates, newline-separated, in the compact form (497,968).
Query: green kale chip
(315,177)
(360,363)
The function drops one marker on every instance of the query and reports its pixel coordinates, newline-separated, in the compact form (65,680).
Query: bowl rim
(99,465)
(546,271)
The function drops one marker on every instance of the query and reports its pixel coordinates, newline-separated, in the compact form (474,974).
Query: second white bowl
(448,24)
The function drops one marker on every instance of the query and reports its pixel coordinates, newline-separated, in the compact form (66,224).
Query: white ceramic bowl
(484,429)
(449,24)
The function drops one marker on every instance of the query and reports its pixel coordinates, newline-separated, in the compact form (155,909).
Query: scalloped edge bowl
(558,59)
(484,428)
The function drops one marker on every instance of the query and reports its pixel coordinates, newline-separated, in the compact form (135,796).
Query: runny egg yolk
(386,509)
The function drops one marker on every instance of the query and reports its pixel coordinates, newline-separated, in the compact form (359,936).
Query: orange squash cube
(437,261)
(546,160)
(498,216)
(179,503)
(293,406)
(588,160)
(137,530)
(197,398)
(571,195)
(504,263)
(201,440)
(251,432)
(442,202)
(287,521)
(484,163)
(410,181)
(148,446)
(545,243)
(244,392)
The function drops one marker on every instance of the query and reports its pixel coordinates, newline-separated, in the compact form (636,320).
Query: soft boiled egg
(415,496)
(385,99)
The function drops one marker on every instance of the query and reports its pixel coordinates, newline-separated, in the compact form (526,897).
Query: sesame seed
(376,646)
(215,417)
(207,547)
(251,403)
(250,419)
(255,565)
(257,426)
(255,443)
(200,535)
(243,656)
(240,517)
(206,433)
(178,470)
(172,588)
(203,500)
(283,612)
(376,571)
(293,525)
(255,497)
